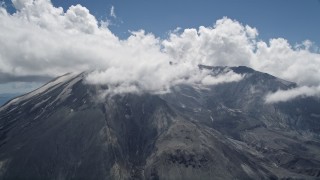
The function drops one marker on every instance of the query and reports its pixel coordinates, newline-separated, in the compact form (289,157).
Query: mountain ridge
(224,131)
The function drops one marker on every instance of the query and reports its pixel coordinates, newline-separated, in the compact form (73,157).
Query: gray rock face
(64,131)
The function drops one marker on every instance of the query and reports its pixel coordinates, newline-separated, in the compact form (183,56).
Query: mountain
(226,131)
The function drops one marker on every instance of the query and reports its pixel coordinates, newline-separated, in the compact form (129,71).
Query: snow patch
(211,118)
(40,103)
(67,90)
(247,169)
(188,96)
(229,109)
(182,105)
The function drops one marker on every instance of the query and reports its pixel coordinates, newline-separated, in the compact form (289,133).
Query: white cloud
(231,43)
(43,40)
(112,12)
(228,77)
(281,95)
(3,4)
(280,59)
(20,4)
(226,43)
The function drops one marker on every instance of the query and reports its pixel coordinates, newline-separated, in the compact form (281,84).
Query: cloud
(279,58)
(3,4)
(227,77)
(226,43)
(297,64)
(112,12)
(282,96)
(41,40)
(230,43)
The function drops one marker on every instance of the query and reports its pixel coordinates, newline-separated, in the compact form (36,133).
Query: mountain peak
(242,70)
(66,130)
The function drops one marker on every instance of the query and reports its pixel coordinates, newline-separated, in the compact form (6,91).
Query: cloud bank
(282,96)
(41,40)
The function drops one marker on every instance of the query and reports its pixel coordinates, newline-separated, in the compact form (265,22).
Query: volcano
(65,130)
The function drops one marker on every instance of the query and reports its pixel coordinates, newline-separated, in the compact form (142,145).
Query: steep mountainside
(63,130)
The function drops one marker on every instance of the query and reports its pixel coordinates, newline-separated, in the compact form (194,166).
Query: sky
(294,20)
(130,43)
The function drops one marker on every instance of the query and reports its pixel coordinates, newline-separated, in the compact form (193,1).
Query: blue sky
(295,20)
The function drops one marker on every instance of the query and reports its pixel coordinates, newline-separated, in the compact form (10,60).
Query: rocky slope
(64,131)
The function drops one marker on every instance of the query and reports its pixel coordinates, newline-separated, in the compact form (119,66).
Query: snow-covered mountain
(226,131)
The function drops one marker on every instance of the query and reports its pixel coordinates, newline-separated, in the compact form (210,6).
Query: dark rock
(224,131)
